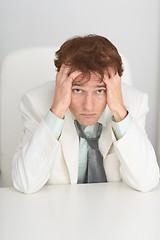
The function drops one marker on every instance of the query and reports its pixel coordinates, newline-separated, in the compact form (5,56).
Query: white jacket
(41,158)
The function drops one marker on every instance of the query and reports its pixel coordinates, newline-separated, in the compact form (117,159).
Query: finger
(106,78)
(74,75)
(111,72)
(106,74)
(64,71)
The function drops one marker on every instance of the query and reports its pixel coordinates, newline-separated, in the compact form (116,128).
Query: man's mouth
(88,114)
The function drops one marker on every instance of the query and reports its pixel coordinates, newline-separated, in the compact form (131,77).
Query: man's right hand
(63,90)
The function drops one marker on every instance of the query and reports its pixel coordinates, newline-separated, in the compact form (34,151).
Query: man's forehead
(93,78)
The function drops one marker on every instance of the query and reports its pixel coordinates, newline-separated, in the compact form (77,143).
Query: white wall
(133,26)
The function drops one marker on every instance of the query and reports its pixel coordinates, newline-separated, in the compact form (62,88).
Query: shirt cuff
(120,128)
(54,123)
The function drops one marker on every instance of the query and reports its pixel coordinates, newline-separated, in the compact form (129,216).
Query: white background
(132,25)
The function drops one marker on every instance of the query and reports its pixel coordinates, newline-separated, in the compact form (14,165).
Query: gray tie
(95,169)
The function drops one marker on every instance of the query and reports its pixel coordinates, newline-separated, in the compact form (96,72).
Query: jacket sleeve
(36,151)
(138,164)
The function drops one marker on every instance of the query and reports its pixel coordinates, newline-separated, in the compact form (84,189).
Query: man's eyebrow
(77,84)
(82,85)
(99,86)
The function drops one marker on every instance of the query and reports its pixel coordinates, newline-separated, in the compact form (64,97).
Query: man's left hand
(114,95)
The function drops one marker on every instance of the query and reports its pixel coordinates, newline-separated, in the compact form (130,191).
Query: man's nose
(88,102)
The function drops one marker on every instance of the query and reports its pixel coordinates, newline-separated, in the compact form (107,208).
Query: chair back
(22,70)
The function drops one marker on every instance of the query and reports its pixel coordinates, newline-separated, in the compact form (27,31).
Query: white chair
(20,71)
(158,137)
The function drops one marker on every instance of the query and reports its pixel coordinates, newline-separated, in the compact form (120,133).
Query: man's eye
(100,91)
(77,90)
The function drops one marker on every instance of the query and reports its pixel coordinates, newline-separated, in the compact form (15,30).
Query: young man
(86,127)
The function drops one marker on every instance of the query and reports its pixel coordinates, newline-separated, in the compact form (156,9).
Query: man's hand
(63,90)
(114,95)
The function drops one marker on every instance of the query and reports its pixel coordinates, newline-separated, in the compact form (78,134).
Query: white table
(110,211)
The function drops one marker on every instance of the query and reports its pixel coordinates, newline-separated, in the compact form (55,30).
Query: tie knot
(89,131)
(92,141)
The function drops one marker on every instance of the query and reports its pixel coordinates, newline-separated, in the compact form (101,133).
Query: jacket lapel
(70,145)
(105,140)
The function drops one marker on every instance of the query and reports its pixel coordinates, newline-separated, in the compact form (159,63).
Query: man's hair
(91,53)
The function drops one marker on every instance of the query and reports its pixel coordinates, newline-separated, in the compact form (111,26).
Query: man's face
(88,99)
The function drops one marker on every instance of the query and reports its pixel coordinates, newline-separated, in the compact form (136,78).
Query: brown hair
(91,53)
